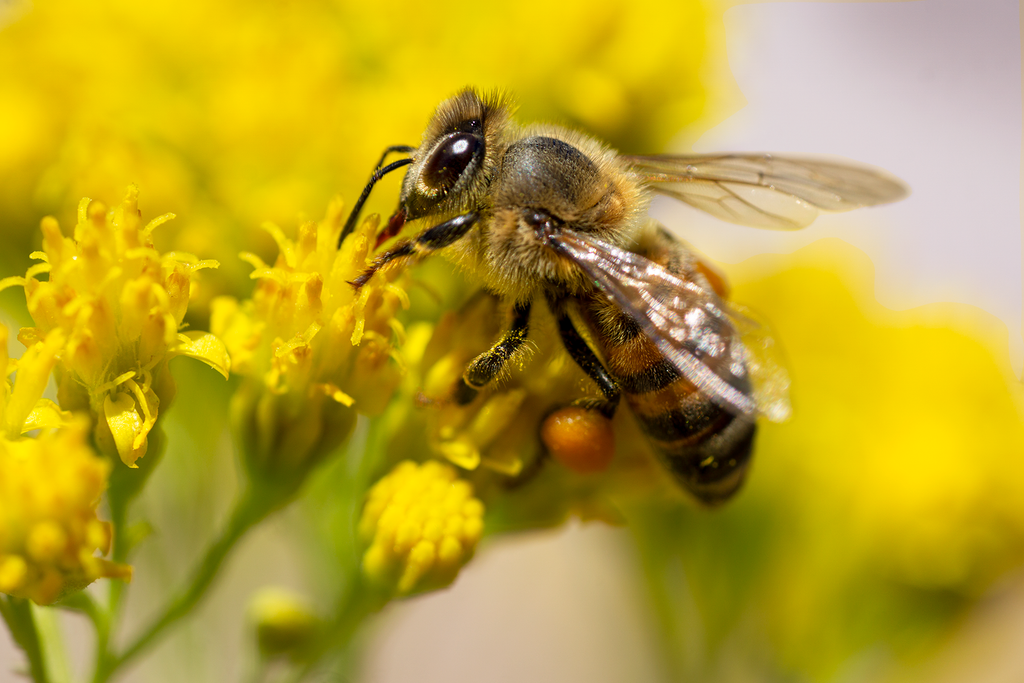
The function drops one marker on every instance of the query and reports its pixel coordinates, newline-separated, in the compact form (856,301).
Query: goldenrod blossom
(116,306)
(499,429)
(49,533)
(497,436)
(49,489)
(422,524)
(315,350)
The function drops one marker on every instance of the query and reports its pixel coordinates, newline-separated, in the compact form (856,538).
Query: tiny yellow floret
(422,524)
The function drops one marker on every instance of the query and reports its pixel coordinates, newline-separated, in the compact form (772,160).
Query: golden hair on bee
(465,116)
(546,213)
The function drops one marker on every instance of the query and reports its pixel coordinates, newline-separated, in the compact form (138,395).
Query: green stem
(124,486)
(357,600)
(83,603)
(680,632)
(249,509)
(355,605)
(18,615)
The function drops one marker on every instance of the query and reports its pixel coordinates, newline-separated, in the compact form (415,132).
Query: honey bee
(544,212)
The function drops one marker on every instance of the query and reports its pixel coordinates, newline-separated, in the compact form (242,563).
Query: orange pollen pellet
(582,440)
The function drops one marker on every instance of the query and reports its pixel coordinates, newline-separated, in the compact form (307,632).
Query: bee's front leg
(437,237)
(488,364)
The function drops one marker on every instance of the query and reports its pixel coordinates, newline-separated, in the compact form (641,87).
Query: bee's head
(456,158)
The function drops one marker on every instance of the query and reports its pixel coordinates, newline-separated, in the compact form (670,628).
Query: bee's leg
(488,364)
(441,235)
(589,363)
(379,171)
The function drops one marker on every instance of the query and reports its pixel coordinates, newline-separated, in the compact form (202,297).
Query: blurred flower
(314,352)
(884,508)
(115,304)
(285,623)
(288,107)
(927,478)
(422,525)
(49,489)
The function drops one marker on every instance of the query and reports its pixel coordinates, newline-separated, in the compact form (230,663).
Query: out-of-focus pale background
(929,90)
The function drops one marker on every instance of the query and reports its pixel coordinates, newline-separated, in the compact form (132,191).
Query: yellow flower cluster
(422,525)
(315,351)
(114,305)
(499,429)
(928,477)
(49,488)
(243,128)
(497,437)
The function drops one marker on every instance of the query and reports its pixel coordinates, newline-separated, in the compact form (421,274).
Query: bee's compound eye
(449,160)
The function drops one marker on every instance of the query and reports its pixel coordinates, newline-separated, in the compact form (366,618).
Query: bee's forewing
(689,324)
(766,190)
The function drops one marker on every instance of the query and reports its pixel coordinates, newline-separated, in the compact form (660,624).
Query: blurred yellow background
(234,113)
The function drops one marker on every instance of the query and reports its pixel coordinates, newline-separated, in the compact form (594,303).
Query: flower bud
(285,623)
(422,524)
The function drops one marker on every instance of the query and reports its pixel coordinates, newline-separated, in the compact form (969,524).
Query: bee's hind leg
(488,364)
(591,365)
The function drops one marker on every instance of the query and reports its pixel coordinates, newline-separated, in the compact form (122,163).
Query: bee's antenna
(379,172)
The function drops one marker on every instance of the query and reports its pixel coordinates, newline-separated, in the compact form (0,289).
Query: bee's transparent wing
(765,190)
(769,379)
(689,324)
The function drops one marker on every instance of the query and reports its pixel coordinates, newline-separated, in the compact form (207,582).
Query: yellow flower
(497,437)
(498,430)
(49,488)
(115,304)
(49,533)
(422,525)
(926,475)
(314,351)
(22,408)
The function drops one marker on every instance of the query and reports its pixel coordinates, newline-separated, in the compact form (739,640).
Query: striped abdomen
(706,448)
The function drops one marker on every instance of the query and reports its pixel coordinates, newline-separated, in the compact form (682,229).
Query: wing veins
(757,208)
(804,183)
(615,271)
